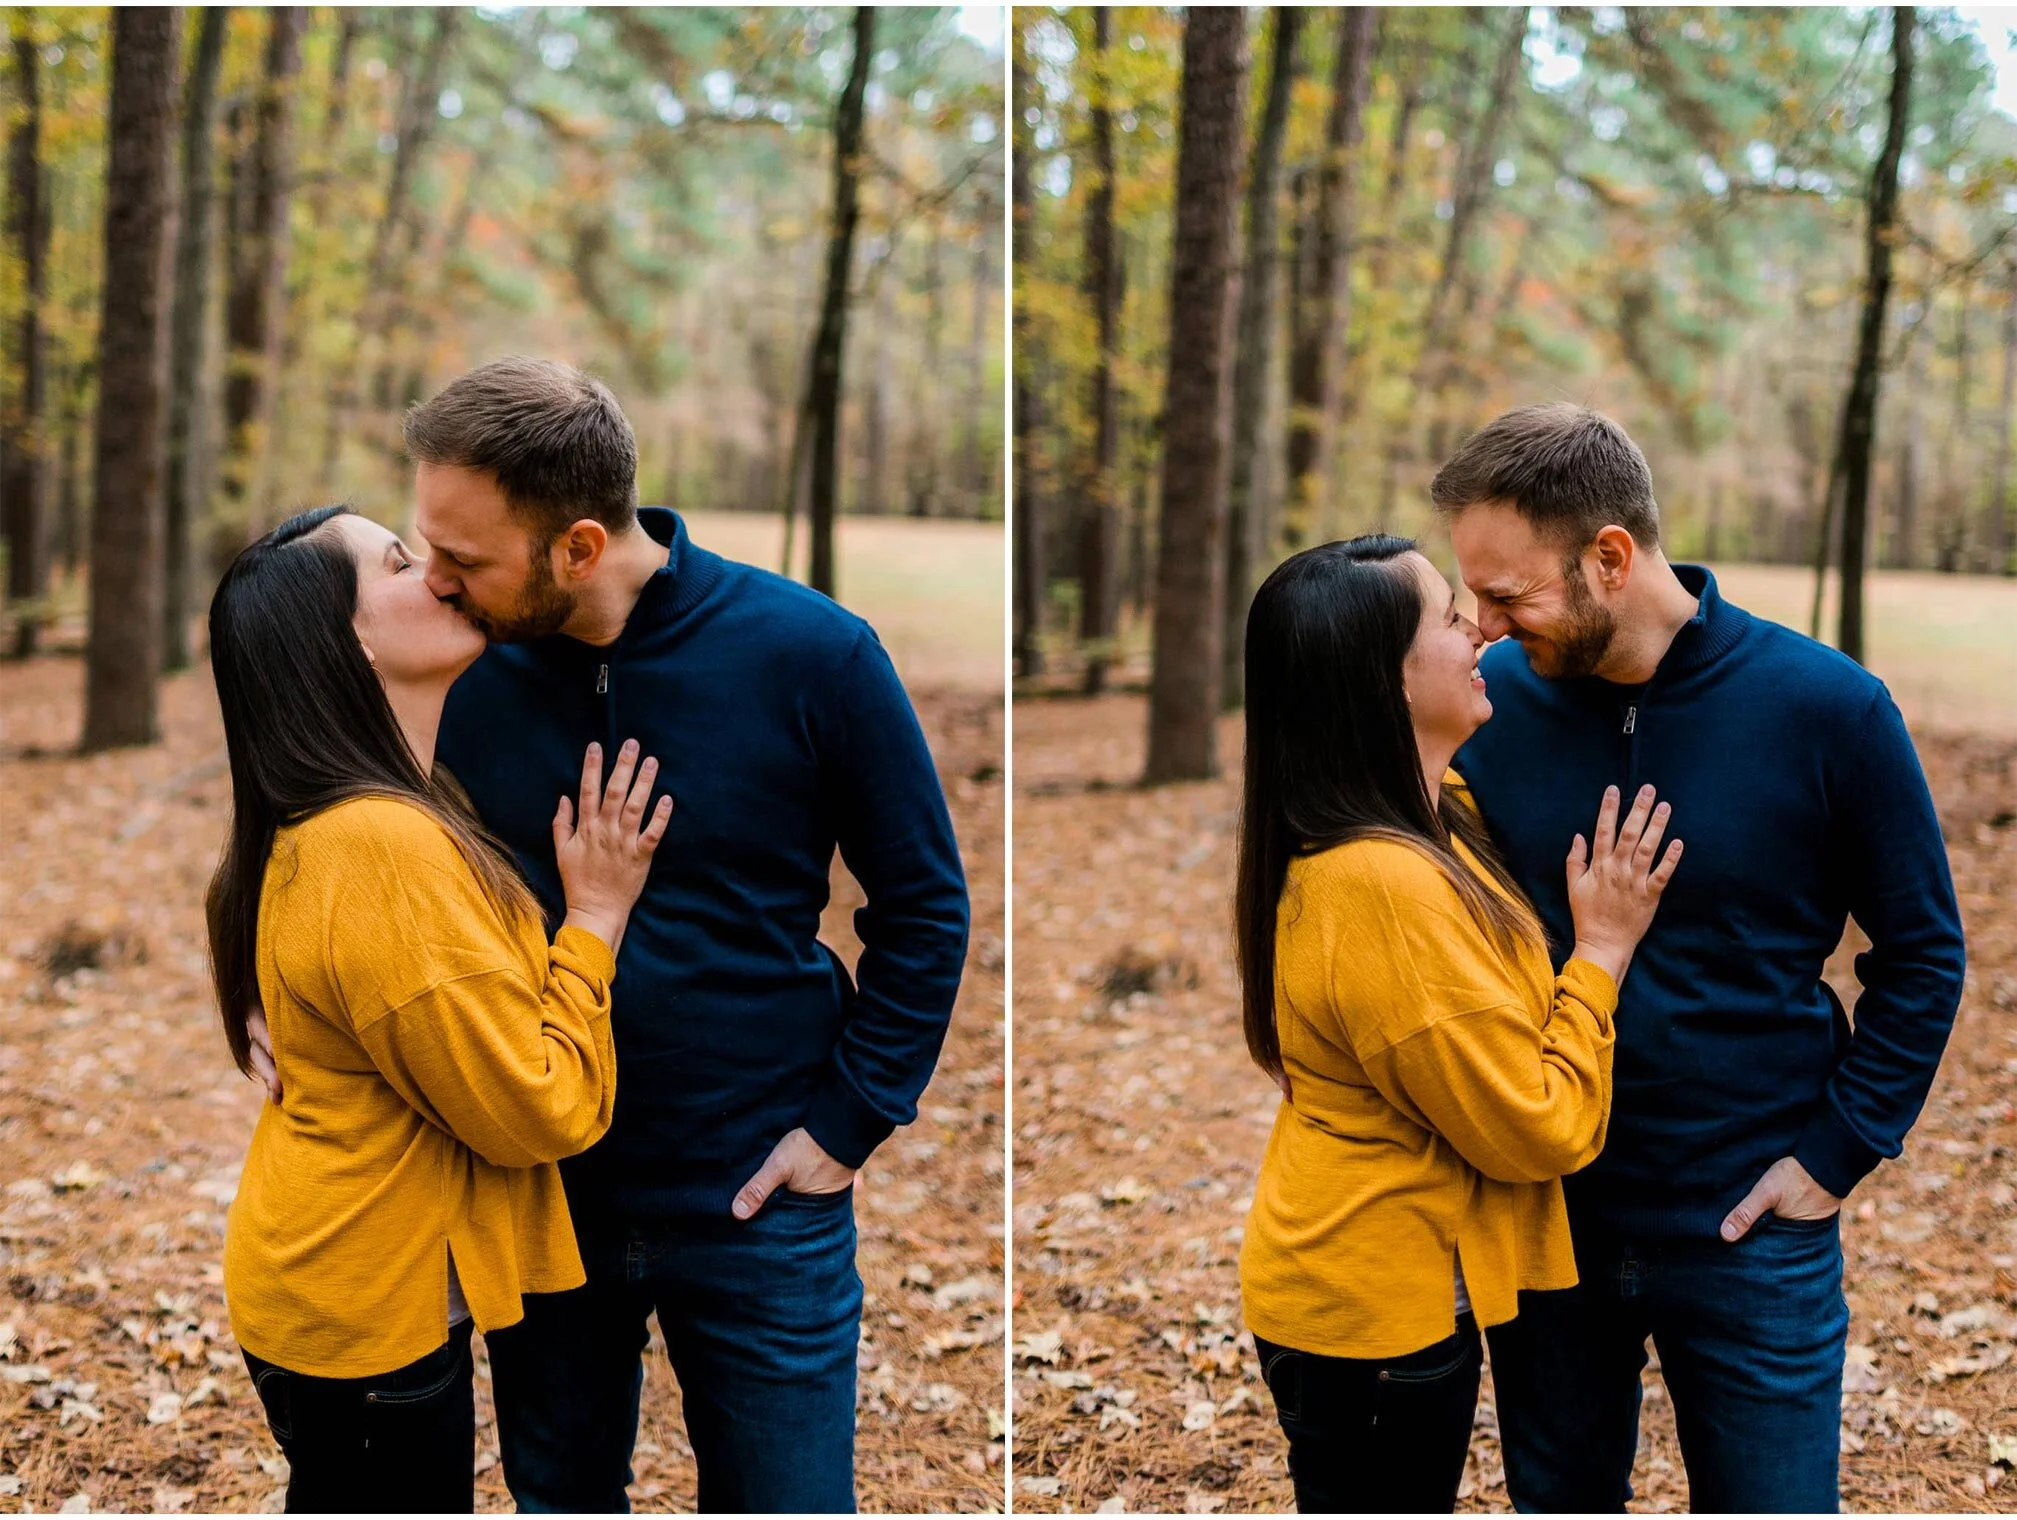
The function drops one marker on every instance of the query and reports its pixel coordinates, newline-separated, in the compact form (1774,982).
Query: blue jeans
(1751,1338)
(761,1323)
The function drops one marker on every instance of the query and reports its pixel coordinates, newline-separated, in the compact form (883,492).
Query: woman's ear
(369,658)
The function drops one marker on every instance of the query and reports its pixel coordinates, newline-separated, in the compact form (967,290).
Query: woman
(1439,1076)
(437,1055)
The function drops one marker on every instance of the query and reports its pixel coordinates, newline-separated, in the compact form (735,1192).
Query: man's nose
(443,586)
(1493,623)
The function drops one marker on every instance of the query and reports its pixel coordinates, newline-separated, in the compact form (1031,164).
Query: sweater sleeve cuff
(1834,1155)
(587,957)
(846,1128)
(1591,984)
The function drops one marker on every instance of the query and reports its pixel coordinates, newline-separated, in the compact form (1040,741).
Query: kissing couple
(1545,1074)
(553,803)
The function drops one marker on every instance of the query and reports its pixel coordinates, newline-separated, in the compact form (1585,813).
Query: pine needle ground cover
(123,1124)
(1140,1125)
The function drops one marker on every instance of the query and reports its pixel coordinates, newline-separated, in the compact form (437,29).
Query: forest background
(236,243)
(1270,266)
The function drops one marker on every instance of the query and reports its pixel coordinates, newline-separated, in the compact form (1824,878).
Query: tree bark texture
(23,438)
(1859,412)
(123,657)
(1100,512)
(254,306)
(1204,290)
(1254,367)
(1315,365)
(1029,568)
(189,326)
(823,391)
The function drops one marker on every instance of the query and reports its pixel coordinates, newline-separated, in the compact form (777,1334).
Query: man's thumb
(1751,1210)
(758,1188)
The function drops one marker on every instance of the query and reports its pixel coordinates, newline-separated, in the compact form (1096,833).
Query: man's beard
(542,608)
(1585,638)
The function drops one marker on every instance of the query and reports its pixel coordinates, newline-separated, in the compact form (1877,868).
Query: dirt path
(1140,1123)
(122,1127)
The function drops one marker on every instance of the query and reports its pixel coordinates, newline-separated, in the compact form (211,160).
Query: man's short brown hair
(1568,470)
(554,438)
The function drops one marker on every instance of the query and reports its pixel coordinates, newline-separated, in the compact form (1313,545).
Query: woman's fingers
(619,777)
(640,794)
(563,823)
(1649,842)
(1604,837)
(591,784)
(1664,871)
(655,830)
(1635,821)
(1578,861)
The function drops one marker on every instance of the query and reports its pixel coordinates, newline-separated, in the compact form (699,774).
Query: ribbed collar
(1711,633)
(689,573)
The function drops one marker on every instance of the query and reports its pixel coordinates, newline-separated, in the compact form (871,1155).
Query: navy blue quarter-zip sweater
(782,733)
(1802,804)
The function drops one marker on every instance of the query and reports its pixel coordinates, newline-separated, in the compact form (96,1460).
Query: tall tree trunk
(71,529)
(1254,368)
(980,478)
(1029,568)
(1475,161)
(1314,367)
(1204,291)
(1997,538)
(823,388)
(254,306)
(123,659)
(23,439)
(189,326)
(393,238)
(871,495)
(921,460)
(1859,412)
(1100,516)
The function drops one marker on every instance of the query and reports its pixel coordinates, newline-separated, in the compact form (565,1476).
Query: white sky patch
(1995,25)
(983,23)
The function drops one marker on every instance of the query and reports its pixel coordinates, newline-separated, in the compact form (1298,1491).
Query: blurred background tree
(365,202)
(1664,213)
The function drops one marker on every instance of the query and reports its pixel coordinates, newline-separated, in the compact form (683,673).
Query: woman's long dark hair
(307,725)
(1331,754)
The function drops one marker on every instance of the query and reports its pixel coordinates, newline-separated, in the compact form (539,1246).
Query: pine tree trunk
(254,306)
(23,447)
(1100,515)
(123,659)
(1204,294)
(1997,538)
(824,388)
(1315,365)
(1859,413)
(1029,568)
(1254,367)
(980,478)
(189,326)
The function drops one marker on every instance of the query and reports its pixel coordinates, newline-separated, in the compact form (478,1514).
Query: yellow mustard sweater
(435,1062)
(1440,1090)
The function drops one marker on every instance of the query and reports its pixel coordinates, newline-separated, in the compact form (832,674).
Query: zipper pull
(1631,714)
(602,682)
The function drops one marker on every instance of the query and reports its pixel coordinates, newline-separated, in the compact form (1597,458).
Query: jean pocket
(1432,1363)
(1779,1223)
(1283,1374)
(428,1378)
(277,1399)
(813,1200)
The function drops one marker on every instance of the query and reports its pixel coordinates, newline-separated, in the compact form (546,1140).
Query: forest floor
(123,1125)
(1140,1123)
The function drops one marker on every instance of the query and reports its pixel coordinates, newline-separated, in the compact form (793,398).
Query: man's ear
(1616,551)
(579,549)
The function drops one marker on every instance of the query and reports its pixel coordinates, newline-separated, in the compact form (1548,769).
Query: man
(753,1078)
(1745,1109)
